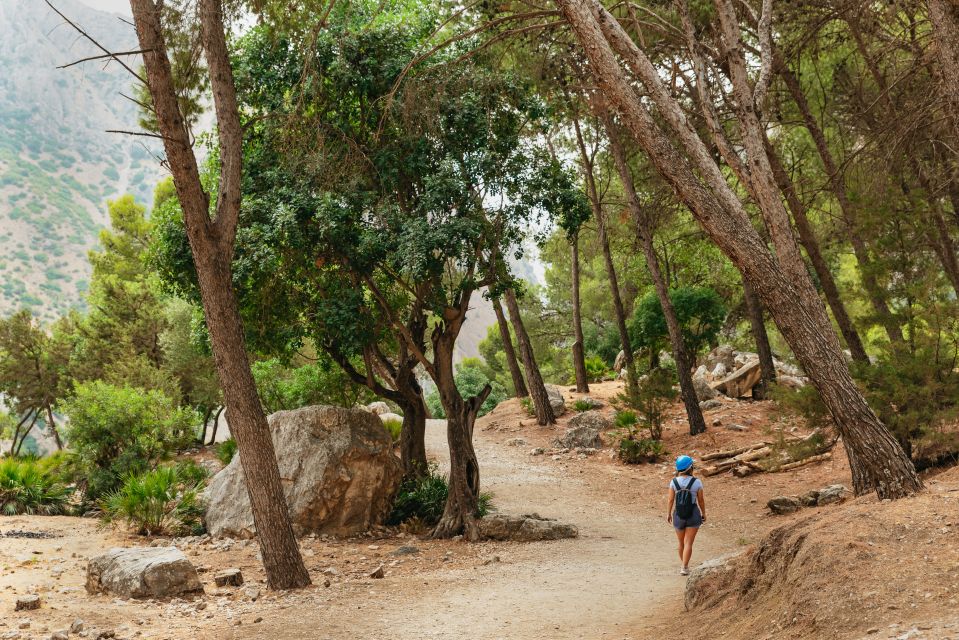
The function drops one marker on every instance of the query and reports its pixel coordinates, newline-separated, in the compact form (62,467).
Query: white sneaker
(684,571)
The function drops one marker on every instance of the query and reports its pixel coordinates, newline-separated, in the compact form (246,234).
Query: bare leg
(689,537)
(681,537)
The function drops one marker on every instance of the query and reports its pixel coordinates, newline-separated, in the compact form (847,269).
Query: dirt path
(608,583)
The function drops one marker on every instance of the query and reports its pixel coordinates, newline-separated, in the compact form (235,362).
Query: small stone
(251,592)
(27,603)
(737,427)
(783,504)
(405,550)
(515,442)
(24,624)
(492,560)
(872,630)
(378,573)
(60,635)
(77,626)
(538,451)
(257,620)
(327,583)
(229,577)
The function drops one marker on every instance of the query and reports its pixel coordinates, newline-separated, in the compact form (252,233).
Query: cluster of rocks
(584,431)
(734,374)
(78,629)
(524,528)
(814,498)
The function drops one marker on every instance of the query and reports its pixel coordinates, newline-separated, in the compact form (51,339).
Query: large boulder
(783,504)
(142,572)
(585,431)
(556,401)
(741,381)
(526,528)
(379,407)
(338,470)
(703,390)
(620,363)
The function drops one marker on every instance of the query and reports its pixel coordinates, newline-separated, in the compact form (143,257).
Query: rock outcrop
(556,401)
(338,469)
(741,381)
(525,528)
(142,572)
(585,431)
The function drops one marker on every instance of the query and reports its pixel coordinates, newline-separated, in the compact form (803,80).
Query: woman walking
(686,495)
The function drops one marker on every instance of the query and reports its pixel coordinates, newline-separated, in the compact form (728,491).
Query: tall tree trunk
(879,461)
(632,389)
(212,242)
(462,502)
(644,226)
(754,310)
(519,385)
(807,237)
(579,356)
(537,390)
(837,185)
(413,433)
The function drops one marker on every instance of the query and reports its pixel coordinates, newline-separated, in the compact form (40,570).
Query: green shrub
(118,431)
(26,487)
(226,450)
(582,405)
(527,404)
(423,499)
(395,428)
(626,419)
(284,387)
(634,450)
(190,472)
(655,395)
(159,502)
(470,380)
(596,369)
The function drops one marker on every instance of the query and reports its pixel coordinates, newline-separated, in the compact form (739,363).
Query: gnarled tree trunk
(537,390)
(754,310)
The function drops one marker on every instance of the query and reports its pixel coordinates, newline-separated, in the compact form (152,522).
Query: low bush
(422,500)
(655,396)
(596,369)
(394,427)
(634,450)
(26,487)
(527,404)
(582,405)
(226,450)
(160,502)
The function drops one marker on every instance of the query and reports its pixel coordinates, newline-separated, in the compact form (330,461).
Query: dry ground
(618,580)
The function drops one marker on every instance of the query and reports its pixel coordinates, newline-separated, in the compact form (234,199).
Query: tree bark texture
(945,29)
(212,242)
(579,355)
(519,385)
(537,389)
(880,463)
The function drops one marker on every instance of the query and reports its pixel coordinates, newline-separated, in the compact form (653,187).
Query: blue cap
(683,463)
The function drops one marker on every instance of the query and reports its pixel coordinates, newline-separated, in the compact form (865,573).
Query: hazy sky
(116,6)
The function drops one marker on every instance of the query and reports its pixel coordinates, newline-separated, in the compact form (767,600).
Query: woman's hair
(688,470)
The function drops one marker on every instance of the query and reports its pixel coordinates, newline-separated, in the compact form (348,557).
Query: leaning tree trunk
(807,238)
(519,385)
(537,390)
(579,356)
(216,424)
(462,503)
(212,242)
(53,428)
(697,424)
(754,310)
(880,464)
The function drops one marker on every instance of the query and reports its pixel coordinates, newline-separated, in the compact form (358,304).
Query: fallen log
(725,465)
(801,463)
(755,454)
(719,455)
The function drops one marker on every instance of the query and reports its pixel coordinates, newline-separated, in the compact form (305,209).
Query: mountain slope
(58,165)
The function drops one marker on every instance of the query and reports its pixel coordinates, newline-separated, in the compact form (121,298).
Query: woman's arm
(669,505)
(702,503)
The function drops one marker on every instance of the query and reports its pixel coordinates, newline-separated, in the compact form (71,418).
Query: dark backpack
(685,500)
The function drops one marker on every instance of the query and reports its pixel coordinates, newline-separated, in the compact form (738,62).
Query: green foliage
(596,369)
(582,405)
(395,428)
(470,380)
(164,501)
(527,403)
(226,450)
(633,450)
(423,499)
(28,487)
(118,431)
(656,393)
(284,387)
(626,419)
(700,313)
